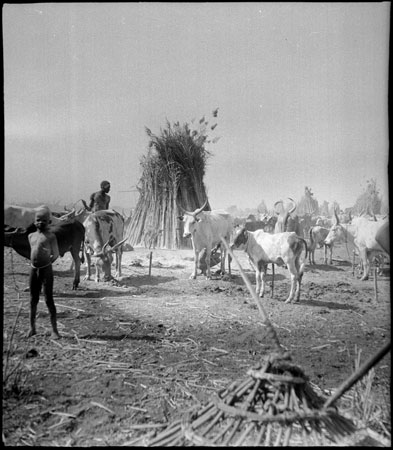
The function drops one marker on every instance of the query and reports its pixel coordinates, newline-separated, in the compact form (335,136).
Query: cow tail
(311,239)
(302,266)
(297,245)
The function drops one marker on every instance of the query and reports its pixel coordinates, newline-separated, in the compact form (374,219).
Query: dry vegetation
(136,358)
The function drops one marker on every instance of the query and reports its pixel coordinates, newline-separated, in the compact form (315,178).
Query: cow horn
(102,252)
(336,216)
(196,212)
(184,210)
(294,207)
(118,244)
(275,210)
(66,216)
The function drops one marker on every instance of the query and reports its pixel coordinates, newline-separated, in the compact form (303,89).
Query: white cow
(279,248)
(206,229)
(360,232)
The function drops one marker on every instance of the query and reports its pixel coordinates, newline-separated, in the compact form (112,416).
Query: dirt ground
(134,357)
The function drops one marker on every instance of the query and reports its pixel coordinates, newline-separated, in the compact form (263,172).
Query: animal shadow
(121,337)
(326,267)
(328,305)
(143,280)
(238,280)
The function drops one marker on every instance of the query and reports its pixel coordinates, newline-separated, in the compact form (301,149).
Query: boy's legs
(48,292)
(35,287)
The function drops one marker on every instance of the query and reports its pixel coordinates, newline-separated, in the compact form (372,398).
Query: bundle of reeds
(172,171)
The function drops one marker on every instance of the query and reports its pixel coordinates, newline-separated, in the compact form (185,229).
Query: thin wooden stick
(272,331)
(353,263)
(375,284)
(150,260)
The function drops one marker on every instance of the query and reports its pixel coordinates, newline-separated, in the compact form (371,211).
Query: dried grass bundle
(172,170)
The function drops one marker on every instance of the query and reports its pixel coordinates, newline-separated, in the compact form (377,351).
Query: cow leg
(88,266)
(116,264)
(366,264)
(294,280)
(223,257)
(331,254)
(258,283)
(325,261)
(312,255)
(77,264)
(208,256)
(300,272)
(260,275)
(196,259)
(97,277)
(119,255)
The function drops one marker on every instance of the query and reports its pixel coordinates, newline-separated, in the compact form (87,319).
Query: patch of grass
(14,372)
(371,411)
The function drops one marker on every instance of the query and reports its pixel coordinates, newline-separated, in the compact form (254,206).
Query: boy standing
(44,251)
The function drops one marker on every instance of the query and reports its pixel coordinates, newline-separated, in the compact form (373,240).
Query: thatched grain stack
(172,172)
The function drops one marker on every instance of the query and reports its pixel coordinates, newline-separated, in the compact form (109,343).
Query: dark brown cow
(70,236)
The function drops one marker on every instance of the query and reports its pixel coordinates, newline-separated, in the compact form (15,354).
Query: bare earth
(138,356)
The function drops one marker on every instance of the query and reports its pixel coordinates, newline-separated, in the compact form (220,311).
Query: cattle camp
(160,307)
(196,247)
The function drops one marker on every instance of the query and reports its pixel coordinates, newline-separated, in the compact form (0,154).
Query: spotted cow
(104,236)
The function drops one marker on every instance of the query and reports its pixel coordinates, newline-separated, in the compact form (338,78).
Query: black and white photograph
(196,224)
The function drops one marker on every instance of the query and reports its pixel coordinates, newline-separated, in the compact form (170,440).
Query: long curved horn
(274,206)
(118,244)
(196,212)
(199,210)
(102,252)
(336,216)
(66,216)
(294,207)
(184,210)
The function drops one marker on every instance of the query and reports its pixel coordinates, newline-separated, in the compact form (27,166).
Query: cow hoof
(288,300)
(192,277)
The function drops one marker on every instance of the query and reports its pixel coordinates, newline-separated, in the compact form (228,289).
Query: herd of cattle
(82,233)
(281,239)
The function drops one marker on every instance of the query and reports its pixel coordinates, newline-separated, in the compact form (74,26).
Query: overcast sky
(301,89)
